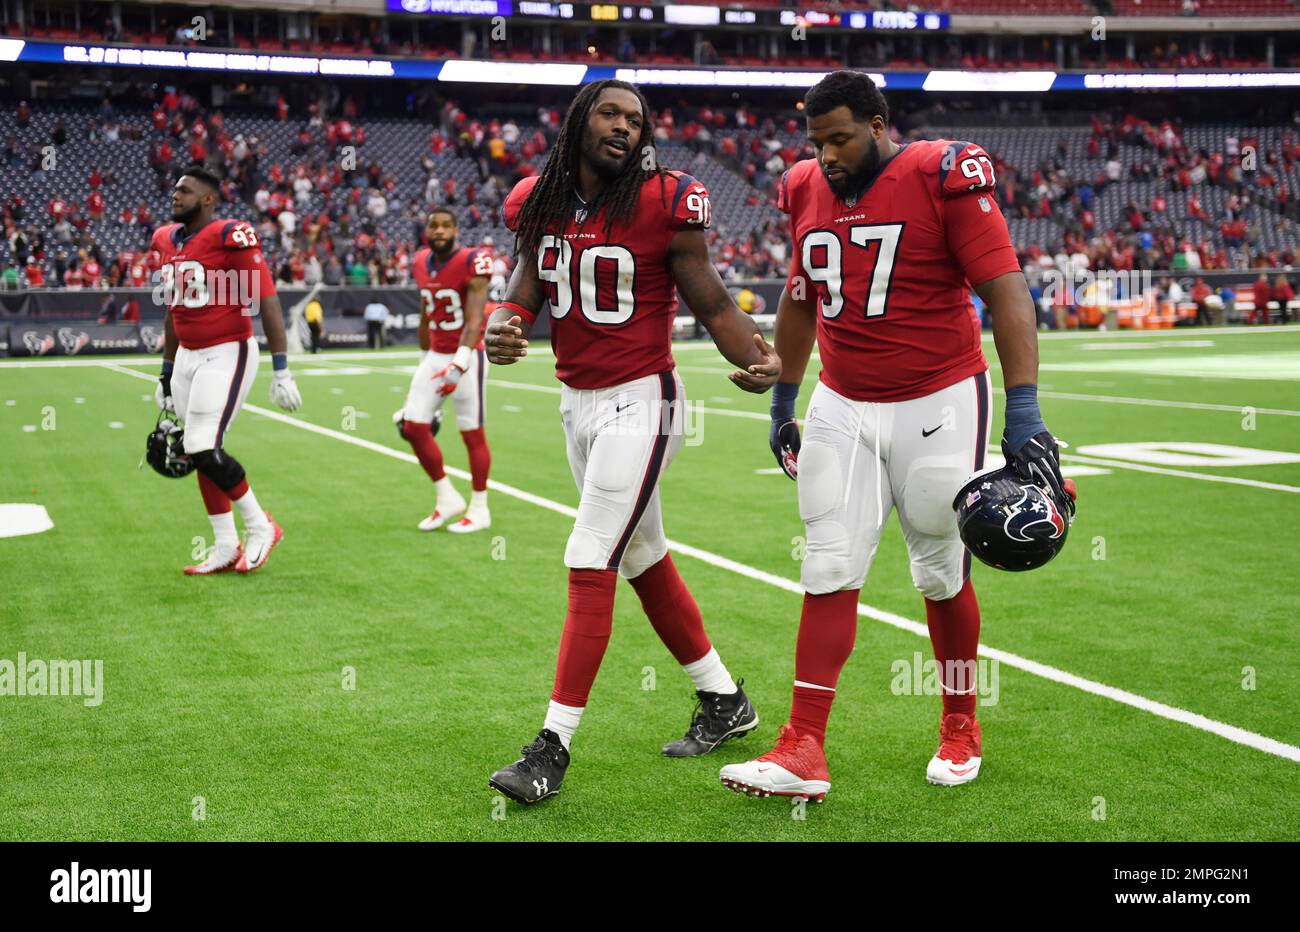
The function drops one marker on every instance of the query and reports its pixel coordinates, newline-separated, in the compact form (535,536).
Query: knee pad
(640,555)
(585,550)
(928,492)
(219,466)
(937,585)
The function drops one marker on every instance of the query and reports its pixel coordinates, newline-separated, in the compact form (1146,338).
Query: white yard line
(1181,473)
(1232,733)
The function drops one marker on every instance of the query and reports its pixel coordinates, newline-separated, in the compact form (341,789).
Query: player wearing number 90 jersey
(606,237)
(453,292)
(613,300)
(888,242)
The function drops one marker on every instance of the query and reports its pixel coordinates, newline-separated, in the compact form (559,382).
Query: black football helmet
(400,422)
(1011,523)
(165,448)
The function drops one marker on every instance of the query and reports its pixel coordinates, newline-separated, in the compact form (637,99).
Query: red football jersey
(444,290)
(210,279)
(613,299)
(891,272)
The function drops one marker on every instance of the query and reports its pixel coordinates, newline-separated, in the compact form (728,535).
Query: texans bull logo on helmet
(1035,507)
(1011,523)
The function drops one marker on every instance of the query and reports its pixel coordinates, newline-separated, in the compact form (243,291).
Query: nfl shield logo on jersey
(984,205)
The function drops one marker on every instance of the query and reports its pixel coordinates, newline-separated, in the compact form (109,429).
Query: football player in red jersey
(603,236)
(453,291)
(888,242)
(213,280)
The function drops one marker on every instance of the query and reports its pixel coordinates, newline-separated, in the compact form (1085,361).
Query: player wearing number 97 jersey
(453,292)
(605,237)
(213,281)
(888,242)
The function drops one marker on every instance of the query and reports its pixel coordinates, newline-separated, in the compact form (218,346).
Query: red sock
(214,499)
(672,611)
(827,629)
(480,458)
(586,633)
(420,436)
(955,633)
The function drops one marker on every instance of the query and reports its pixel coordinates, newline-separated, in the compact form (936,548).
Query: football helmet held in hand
(1011,523)
(165,448)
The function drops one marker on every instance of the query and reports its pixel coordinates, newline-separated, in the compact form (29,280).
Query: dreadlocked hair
(550,202)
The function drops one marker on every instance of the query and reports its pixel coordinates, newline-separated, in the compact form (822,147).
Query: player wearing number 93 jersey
(213,281)
(888,242)
(605,237)
(453,292)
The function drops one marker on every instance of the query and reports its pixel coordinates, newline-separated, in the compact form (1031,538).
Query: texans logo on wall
(38,343)
(153,339)
(73,341)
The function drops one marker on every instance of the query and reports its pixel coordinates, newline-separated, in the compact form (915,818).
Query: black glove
(1039,461)
(785,442)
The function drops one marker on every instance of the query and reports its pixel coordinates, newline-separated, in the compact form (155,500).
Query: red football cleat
(958,759)
(795,767)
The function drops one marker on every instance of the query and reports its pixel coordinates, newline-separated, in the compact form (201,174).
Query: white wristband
(462,358)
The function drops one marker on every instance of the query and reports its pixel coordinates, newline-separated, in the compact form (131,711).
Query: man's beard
(602,166)
(186,216)
(851,185)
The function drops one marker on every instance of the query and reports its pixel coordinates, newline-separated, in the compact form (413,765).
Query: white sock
(710,675)
(563,720)
(223,530)
(250,511)
(478,500)
(446,490)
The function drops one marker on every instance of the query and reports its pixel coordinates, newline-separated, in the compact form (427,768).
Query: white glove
(284,391)
(164,402)
(449,377)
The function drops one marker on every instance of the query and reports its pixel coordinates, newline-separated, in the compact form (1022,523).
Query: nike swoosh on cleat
(960,773)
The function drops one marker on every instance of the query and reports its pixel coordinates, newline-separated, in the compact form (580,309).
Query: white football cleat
(958,759)
(259,543)
(449,506)
(474,520)
(220,560)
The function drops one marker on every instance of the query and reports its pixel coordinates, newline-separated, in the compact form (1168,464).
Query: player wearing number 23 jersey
(453,293)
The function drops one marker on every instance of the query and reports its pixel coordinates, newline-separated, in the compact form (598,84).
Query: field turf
(224,697)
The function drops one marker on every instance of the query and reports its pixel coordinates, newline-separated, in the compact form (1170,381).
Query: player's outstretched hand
(506,343)
(284,392)
(761,376)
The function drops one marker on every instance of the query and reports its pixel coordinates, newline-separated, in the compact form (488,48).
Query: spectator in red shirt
(34,273)
(90,271)
(1283,294)
(1261,295)
(95,205)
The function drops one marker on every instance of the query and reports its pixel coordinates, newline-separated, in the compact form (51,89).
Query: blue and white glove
(284,391)
(1029,446)
(784,437)
(162,392)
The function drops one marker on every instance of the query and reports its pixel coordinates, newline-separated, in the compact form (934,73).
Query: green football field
(366,682)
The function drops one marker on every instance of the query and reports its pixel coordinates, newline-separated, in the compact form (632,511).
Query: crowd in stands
(318,211)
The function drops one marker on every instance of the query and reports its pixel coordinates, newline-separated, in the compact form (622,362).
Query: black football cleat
(536,775)
(716,718)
